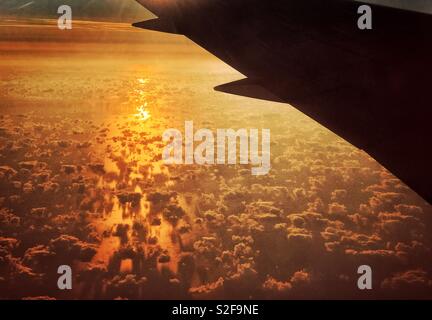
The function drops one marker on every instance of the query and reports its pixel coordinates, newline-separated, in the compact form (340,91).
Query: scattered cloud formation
(85,186)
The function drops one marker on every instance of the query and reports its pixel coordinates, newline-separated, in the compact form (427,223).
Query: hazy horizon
(131,10)
(108,10)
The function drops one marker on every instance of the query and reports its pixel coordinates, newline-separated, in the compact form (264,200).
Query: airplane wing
(371,87)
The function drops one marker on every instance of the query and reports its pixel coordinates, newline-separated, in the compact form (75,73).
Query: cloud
(97,168)
(206,246)
(300,278)
(69,169)
(9,221)
(70,247)
(214,219)
(39,298)
(173,213)
(39,258)
(133,198)
(409,282)
(126,286)
(272,285)
(337,209)
(208,291)
(157,198)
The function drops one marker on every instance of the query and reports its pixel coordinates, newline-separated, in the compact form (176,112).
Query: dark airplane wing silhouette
(371,87)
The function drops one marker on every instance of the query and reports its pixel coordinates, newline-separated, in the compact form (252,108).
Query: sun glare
(143,114)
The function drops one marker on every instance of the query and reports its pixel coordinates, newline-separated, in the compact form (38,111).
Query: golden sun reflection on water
(132,164)
(143,114)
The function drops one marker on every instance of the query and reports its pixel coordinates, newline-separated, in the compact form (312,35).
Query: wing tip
(248,88)
(158,24)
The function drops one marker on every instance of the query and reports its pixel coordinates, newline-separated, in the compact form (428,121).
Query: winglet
(247,88)
(159,24)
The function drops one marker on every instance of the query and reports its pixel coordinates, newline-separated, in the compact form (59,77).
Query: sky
(117,10)
(416,5)
(130,10)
